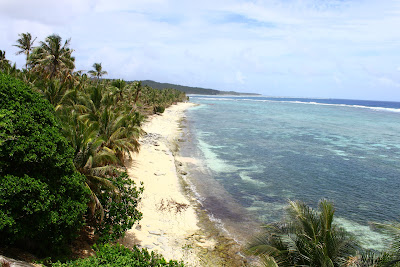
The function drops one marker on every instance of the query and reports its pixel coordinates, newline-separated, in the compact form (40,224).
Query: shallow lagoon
(258,153)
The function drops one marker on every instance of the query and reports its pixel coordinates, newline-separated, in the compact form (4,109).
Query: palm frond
(307,238)
(95,205)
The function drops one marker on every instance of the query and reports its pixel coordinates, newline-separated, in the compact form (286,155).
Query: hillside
(191,90)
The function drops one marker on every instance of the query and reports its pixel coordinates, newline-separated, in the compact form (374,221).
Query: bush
(42,197)
(120,210)
(159,109)
(118,255)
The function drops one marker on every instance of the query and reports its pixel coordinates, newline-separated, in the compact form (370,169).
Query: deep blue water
(259,152)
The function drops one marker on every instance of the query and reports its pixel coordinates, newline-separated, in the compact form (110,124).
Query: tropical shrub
(120,208)
(42,196)
(159,109)
(118,255)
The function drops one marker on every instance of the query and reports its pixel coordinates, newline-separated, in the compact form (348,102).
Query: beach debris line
(151,139)
(172,205)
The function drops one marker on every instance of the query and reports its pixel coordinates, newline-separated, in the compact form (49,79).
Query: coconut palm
(98,71)
(119,85)
(53,58)
(54,91)
(138,88)
(25,44)
(95,101)
(307,238)
(3,56)
(90,158)
(4,63)
(117,126)
(120,132)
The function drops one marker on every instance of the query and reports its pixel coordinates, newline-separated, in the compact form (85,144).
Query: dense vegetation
(191,90)
(65,137)
(42,196)
(117,255)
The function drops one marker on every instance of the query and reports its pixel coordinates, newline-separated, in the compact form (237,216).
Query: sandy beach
(170,224)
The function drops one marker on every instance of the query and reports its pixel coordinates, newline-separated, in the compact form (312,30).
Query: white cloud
(240,77)
(389,82)
(45,11)
(295,47)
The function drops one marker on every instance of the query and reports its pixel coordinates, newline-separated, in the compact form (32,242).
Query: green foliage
(4,63)
(156,99)
(6,126)
(191,90)
(120,208)
(25,45)
(371,259)
(186,89)
(42,197)
(159,109)
(97,71)
(307,238)
(52,58)
(102,134)
(118,255)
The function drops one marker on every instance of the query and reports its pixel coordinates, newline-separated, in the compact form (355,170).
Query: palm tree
(98,71)
(90,158)
(120,132)
(119,128)
(94,102)
(53,58)
(308,238)
(138,87)
(54,91)
(3,56)
(120,86)
(4,63)
(25,44)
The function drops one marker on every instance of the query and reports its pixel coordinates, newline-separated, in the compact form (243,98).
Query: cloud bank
(310,48)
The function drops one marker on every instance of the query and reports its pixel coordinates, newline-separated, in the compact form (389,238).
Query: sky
(300,48)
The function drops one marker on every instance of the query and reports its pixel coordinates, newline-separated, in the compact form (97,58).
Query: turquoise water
(257,154)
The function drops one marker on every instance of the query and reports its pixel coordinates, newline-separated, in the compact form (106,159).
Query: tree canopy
(42,197)
(25,45)
(64,143)
(53,58)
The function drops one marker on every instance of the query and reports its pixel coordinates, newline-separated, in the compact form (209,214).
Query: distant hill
(191,90)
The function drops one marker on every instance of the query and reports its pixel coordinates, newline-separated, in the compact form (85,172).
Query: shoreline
(168,218)
(173,223)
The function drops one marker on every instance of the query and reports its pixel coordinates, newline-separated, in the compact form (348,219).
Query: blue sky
(303,48)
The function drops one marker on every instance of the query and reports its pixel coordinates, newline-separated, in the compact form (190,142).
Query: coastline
(173,223)
(168,218)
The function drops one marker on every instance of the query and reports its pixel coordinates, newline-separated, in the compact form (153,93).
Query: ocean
(256,153)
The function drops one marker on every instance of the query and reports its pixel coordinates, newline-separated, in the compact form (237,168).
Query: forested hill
(191,90)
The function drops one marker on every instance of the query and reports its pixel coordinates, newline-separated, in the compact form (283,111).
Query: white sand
(169,222)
